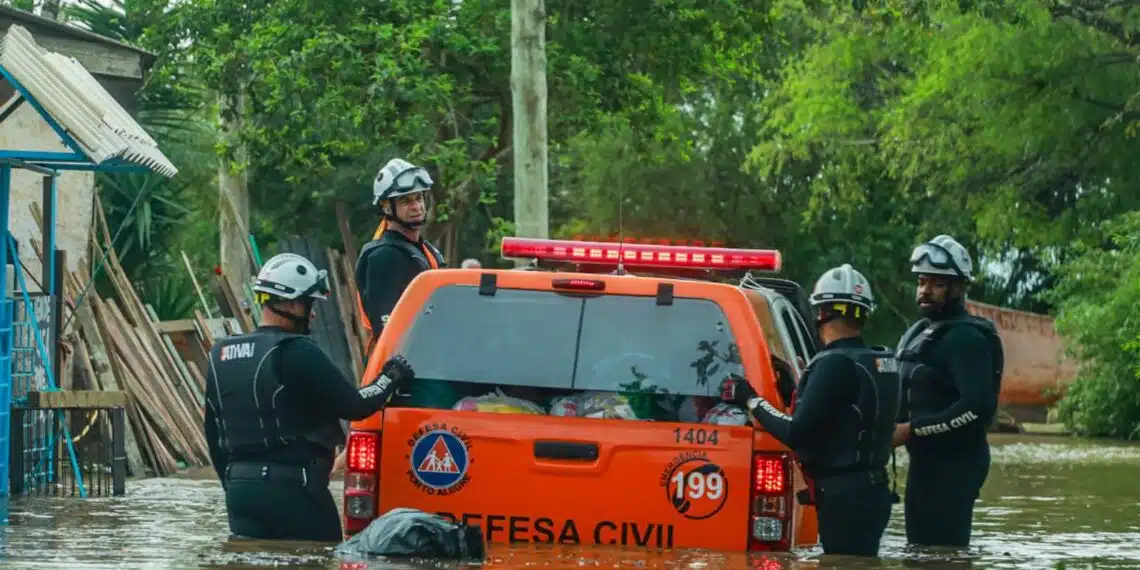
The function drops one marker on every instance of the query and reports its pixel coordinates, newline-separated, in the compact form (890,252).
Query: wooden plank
(187,419)
(98,59)
(151,395)
(348,267)
(77,399)
(171,327)
(197,287)
(241,314)
(224,308)
(232,327)
(354,351)
(134,308)
(140,432)
(105,375)
(327,329)
(192,353)
(345,227)
(226,287)
(199,398)
(149,438)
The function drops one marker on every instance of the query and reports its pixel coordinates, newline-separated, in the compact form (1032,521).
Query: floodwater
(1050,502)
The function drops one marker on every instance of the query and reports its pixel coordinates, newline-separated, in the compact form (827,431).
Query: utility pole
(528,98)
(233,194)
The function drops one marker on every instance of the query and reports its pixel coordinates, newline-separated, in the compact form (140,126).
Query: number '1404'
(697,435)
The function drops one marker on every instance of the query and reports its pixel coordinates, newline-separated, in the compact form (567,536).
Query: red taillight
(362,448)
(770,512)
(361,492)
(770,475)
(642,255)
(583,284)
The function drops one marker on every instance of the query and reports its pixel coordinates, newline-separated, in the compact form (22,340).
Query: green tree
(158,216)
(956,114)
(1098,293)
(335,91)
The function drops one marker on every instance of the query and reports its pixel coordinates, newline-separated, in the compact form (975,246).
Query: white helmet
(399,178)
(843,285)
(942,256)
(290,276)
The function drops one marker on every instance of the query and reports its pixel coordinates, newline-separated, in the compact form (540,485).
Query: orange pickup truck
(662,469)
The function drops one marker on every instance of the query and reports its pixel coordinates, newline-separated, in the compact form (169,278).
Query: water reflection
(1046,501)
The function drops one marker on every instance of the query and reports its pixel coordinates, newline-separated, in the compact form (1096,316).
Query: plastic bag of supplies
(498,402)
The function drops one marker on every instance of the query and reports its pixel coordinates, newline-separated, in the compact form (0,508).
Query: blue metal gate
(111,141)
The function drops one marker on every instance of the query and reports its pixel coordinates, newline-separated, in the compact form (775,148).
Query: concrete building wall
(1037,370)
(26,130)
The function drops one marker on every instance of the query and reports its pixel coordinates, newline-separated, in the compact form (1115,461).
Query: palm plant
(154,212)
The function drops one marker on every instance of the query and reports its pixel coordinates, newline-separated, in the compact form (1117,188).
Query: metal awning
(99,132)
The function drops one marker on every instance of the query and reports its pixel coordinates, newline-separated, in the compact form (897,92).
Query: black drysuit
(274,402)
(840,430)
(952,394)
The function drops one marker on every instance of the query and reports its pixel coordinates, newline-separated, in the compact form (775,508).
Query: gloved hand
(395,373)
(398,369)
(737,390)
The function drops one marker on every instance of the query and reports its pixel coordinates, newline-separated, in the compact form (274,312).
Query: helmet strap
(300,324)
(403,223)
(829,312)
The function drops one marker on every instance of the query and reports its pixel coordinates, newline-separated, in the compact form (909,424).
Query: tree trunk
(528,95)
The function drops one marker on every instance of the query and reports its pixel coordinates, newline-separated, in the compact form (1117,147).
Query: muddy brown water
(1048,503)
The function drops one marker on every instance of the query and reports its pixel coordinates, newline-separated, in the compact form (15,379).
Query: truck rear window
(543,339)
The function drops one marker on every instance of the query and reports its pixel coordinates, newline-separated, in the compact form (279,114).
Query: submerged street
(1048,500)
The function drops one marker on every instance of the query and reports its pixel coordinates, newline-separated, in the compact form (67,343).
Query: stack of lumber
(343,283)
(118,344)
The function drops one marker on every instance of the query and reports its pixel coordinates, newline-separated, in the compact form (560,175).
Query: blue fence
(5,391)
(28,375)
(22,371)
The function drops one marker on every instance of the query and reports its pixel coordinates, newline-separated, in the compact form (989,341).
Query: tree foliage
(1099,291)
(838,132)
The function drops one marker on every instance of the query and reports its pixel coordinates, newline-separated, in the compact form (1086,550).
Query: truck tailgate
(548,479)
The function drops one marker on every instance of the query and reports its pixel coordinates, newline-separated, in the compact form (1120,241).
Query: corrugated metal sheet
(1035,361)
(101,127)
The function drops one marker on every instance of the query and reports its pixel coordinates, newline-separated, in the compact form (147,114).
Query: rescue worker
(950,363)
(398,251)
(274,402)
(842,420)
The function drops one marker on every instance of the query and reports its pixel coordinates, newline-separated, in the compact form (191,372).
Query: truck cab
(581,405)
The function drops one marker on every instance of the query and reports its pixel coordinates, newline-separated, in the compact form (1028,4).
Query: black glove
(398,369)
(396,372)
(737,390)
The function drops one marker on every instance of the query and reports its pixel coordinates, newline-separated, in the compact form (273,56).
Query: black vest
(253,414)
(928,388)
(867,445)
(394,239)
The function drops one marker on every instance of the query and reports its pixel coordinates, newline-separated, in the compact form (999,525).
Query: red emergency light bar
(642,255)
(649,240)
